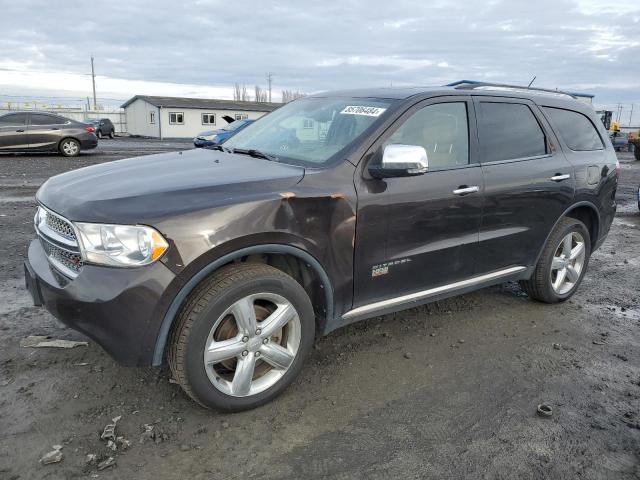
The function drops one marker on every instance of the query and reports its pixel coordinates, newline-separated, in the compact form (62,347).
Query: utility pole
(269,77)
(631,115)
(93,79)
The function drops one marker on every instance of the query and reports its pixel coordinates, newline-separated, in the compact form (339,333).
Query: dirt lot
(449,390)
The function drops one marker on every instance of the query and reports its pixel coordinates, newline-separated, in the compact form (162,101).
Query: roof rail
(475,85)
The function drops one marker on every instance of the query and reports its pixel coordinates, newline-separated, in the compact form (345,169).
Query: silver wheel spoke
(245,315)
(572,274)
(223,350)
(276,355)
(560,278)
(277,320)
(577,251)
(243,376)
(557,263)
(566,245)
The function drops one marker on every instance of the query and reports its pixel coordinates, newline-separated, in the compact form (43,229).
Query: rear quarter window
(576,130)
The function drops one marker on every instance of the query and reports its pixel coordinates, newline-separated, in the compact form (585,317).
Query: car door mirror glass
(401,161)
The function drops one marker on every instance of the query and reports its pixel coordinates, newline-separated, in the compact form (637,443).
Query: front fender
(209,268)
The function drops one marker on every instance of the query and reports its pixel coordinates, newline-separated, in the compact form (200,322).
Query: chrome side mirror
(401,161)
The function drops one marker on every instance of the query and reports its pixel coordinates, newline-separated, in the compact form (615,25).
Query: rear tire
(562,264)
(218,352)
(112,134)
(69,147)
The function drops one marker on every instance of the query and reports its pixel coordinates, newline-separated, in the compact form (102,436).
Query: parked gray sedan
(36,131)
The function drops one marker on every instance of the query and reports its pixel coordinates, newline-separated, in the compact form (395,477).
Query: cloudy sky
(200,48)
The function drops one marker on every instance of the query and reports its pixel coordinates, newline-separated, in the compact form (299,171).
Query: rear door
(414,233)
(528,181)
(13,132)
(45,131)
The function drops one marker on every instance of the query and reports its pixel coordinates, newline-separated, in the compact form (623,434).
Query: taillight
(90,129)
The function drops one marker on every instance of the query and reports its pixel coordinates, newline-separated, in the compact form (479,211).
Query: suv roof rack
(501,87)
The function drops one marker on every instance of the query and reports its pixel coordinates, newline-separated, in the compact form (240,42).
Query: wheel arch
(584,211)
(271,251)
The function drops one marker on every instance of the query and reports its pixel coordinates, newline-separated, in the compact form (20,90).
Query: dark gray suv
(37,131)
(335,208)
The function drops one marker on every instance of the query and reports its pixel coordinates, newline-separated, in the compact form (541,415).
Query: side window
(40,119)
(58,120)
(152,117)
(13,119)
(576,129)
(442,129)
(509,131)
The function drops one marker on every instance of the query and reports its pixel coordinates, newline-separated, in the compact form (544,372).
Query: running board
(432,292)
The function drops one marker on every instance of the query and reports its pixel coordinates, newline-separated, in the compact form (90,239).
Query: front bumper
(119,308)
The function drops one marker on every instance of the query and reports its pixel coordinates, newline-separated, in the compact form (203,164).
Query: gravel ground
(447,390)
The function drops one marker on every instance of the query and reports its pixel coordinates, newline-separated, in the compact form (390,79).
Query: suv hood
(141,189)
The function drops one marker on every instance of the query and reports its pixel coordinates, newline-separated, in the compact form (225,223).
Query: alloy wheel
(70,148)
(252,344)
(567,263)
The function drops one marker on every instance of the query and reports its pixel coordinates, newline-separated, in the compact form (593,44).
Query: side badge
(383,268)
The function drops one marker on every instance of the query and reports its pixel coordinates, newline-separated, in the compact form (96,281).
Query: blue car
(213,137)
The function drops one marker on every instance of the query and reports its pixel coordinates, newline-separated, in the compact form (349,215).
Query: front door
(415,233)
(13,132)
(528,182)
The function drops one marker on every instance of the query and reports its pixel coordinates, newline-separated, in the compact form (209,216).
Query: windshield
(309,131)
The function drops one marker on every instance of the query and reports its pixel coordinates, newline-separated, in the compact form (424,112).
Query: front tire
(99,134)
(69,147)
(242,337)
(563,263)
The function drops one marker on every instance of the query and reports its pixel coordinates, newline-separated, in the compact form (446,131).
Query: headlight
(120,245)
(211,138)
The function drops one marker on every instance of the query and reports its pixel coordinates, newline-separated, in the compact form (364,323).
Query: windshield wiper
(255,153)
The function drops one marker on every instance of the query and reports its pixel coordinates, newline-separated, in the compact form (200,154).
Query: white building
(176,117)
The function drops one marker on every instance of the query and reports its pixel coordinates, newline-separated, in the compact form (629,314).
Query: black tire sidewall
(99,134)
(574,226)
(196,376)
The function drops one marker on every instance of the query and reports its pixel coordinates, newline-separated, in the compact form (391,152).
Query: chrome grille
(61,257)
(59,225)
(59,241)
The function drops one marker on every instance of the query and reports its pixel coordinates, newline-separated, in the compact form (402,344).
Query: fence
(117,116)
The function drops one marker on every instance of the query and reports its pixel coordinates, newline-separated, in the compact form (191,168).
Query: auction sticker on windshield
(363,110)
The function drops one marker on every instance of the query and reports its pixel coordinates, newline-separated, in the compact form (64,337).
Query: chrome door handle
(559,177)
(466,190)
